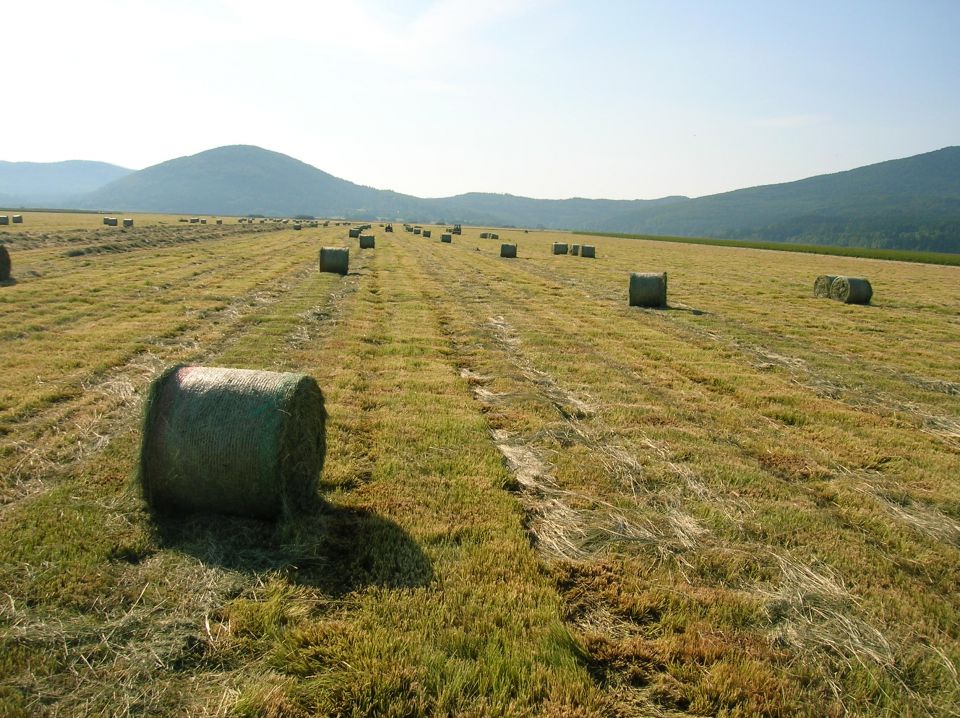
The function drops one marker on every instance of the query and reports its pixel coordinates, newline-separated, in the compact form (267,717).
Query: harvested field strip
(709,535)
(794,494)
(36,440)
(900,351)
(414,590)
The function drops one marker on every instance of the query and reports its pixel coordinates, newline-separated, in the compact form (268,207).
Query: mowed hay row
(851,290)
(232,441)
(508,250)
(5,264)
(648,289)
(335,259)
(740,447)
(367,241)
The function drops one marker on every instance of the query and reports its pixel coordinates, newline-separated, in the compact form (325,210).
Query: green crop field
(536,499)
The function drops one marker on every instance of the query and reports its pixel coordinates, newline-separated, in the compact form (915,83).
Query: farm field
(537,500)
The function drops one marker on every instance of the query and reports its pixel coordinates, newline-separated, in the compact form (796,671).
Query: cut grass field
(537,500)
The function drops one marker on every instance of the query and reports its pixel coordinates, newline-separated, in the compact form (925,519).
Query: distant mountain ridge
(46,183)
(911,203)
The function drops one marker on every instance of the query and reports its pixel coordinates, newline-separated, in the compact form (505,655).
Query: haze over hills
(53,183)
(911,203)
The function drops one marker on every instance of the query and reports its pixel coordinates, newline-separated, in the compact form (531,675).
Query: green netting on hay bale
(575,250)
(367,241)
(648,289)
(354,233)
(5,264)
(821,285)
(508,250)
(588,250)
(560,248)
(232,441)
(851,290)
(4,219)
(427,233)
(334,259)
(18,219)
(446,238)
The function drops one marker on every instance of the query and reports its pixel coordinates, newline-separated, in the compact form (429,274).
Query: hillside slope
(46,183)
(911,203)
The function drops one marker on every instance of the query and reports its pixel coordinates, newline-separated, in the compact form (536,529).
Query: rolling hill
(53,183)
(911,203)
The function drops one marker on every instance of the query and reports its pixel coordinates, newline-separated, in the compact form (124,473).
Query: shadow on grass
(335,549)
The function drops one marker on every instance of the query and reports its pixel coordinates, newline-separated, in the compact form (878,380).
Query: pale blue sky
(546,98)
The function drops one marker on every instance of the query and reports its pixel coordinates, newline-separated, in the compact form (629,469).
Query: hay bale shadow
(335,549)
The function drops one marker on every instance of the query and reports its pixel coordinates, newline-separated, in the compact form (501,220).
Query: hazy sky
(546,98)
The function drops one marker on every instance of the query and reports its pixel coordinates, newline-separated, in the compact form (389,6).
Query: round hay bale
(127,222)
(821,285)
(4,219)
(18,219)
(232,441)
(575,250)
(5,264)
(508,250)
(417,230)
(445,237)
(354,233)
(367,241)
(648,289)
(427,233)
(110,221)
(851,290)
(560,248)
(334,259)
(588,250)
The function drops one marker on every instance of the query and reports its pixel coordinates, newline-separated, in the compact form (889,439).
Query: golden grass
(538,500)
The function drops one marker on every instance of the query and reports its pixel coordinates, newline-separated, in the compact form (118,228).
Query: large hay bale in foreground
(648,289)
(232,441)
(18,219)
(5,264)
(822,284)
(588,250)
(508,250)
(575,250)
(851,290)
(367,241)
(4,219)
(334,259)
(560,248)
